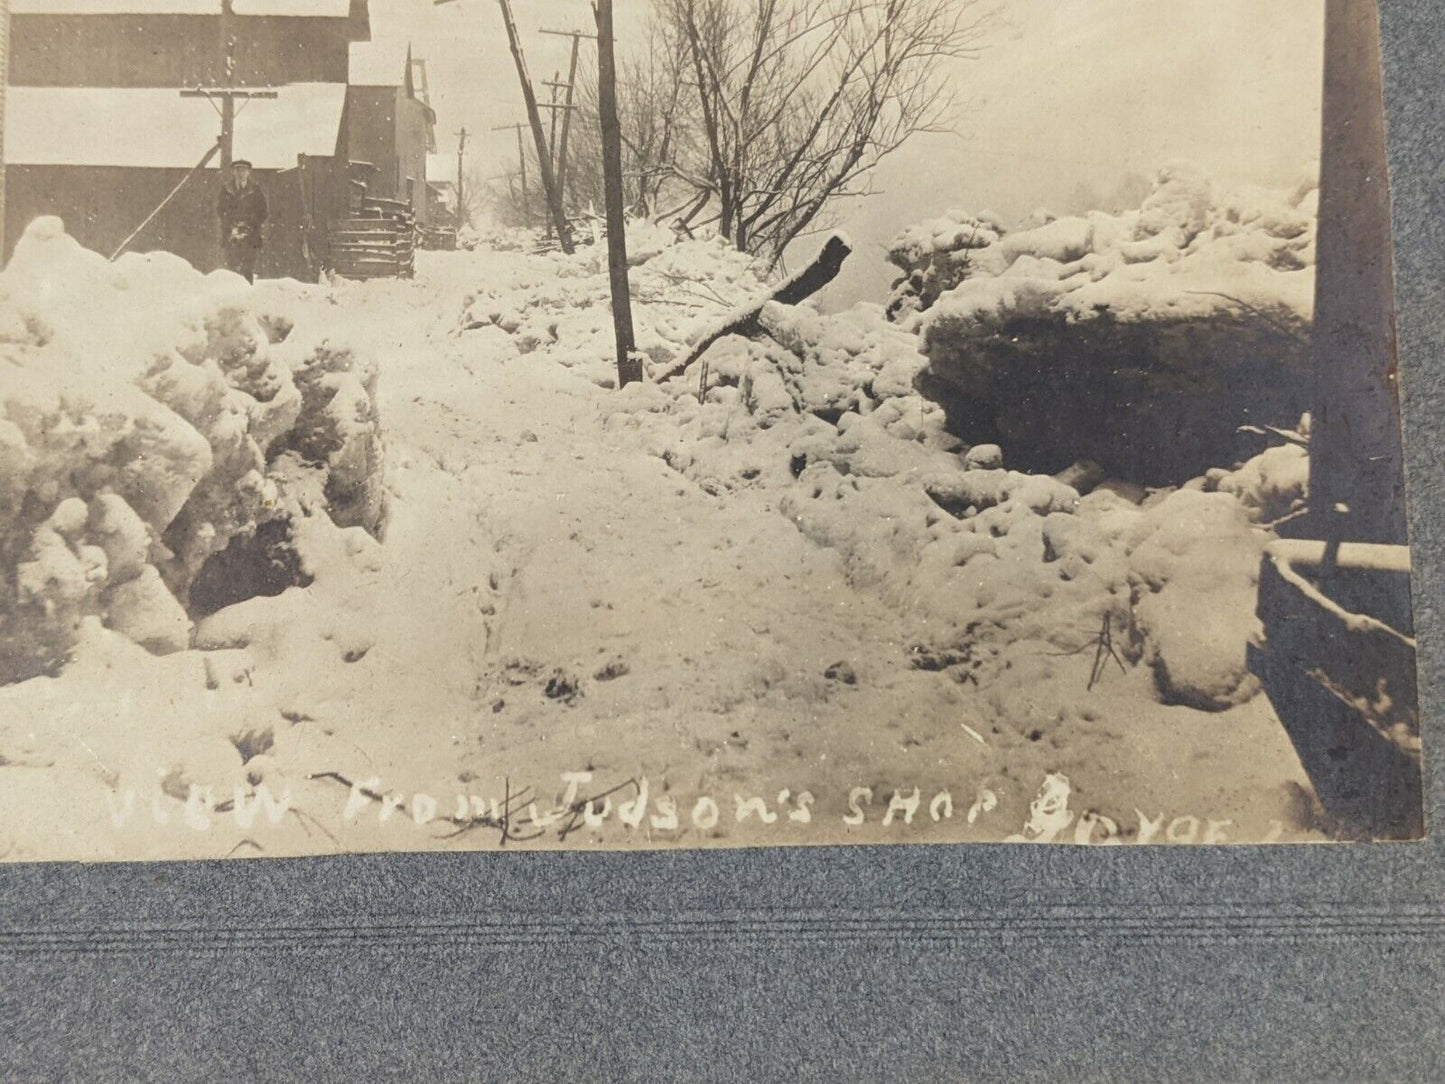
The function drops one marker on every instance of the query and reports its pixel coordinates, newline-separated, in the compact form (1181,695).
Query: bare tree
(796,101)
(502,199)
(479,194)
(657,131)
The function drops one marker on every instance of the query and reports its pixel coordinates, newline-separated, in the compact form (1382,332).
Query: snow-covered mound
(1010,573)
(935,256)
(150,418)
(563,304)
(1140,340)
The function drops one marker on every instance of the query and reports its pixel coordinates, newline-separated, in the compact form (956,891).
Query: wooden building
(390,127)
(98,132)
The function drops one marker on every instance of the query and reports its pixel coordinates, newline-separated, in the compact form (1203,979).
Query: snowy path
(696,631)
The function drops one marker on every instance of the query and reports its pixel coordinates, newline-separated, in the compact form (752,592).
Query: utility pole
(567,107)
(534,117)
(227,92)
(227,96)
(461,189)
(567,115)
(554,84)
(554,106)
(228,79)
(522,160)
(629,365)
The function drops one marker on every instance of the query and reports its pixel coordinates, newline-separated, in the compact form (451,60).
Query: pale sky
(1068,91)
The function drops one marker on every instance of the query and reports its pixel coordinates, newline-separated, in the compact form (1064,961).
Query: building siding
(371,132)
(101,205)
(388,129)
(174,50)
(411,152)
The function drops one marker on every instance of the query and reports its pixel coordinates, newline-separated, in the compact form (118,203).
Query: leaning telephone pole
(629,365)
(534,117)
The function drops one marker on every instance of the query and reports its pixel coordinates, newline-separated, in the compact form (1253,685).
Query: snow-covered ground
(794,610)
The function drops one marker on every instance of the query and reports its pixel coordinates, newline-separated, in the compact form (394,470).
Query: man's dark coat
(242,211)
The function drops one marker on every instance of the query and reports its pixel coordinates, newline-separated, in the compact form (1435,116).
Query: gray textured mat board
(907,963)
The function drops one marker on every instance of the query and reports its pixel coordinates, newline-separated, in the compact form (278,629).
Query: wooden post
(568,106)
(461,191)
(629,365)
(534,117)
(555,83)
(552,131)
(228,79)
(553,106)
(1356,463)
(566,116)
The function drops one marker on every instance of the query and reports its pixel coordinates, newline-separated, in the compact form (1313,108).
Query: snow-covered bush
(935,256)
(1140,340)
(1272,485)
(150,417)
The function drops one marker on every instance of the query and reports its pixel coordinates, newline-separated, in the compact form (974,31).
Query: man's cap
(241,162)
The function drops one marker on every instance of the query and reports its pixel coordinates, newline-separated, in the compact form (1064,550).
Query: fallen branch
(1104,653)
(1255,311)
(797,287)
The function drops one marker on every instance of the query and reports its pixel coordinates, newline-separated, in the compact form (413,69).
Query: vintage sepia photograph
(484,424)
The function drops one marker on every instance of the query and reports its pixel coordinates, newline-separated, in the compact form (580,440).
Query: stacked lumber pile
(377,240)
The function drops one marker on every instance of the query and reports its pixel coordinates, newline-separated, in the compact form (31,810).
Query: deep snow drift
(1140,341)
(150,418)
(789,606)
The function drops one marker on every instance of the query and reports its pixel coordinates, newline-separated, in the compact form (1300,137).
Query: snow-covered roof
(156,128)
(332,9)
(441,168)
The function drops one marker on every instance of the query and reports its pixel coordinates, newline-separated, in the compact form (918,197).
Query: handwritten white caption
(1049,820)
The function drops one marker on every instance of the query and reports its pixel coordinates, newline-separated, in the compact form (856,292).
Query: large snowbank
(1007,570)
(1008,573)
(150,417)
(1139,340)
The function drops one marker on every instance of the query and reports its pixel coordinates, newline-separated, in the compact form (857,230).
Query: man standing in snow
(242,208)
